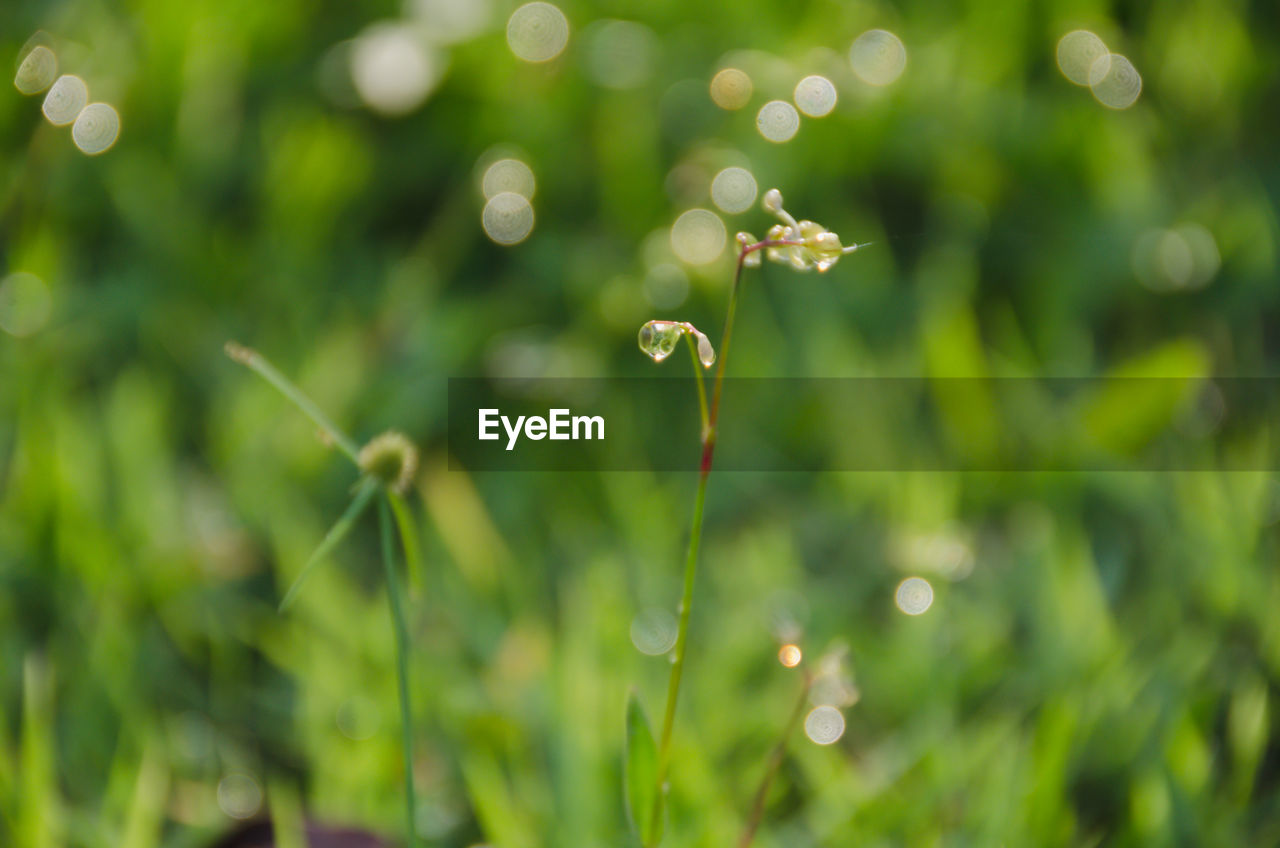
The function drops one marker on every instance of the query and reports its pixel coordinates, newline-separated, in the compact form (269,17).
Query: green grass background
(1106,675)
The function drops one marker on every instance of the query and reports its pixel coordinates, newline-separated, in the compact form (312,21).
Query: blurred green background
(1101,660)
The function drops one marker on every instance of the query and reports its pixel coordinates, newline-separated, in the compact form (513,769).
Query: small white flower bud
(773,201)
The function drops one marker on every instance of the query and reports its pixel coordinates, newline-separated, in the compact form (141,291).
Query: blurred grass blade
(258,363)
(641,775)
(504,819)
(38,808)
(146,817)
(408,536)
(287,825)
(331,539)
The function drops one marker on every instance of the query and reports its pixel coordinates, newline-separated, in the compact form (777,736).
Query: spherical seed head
(391,459)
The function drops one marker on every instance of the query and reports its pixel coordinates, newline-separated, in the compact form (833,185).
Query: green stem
(695,539)
(775,762)
(396,601)
(702,389)
(255,361)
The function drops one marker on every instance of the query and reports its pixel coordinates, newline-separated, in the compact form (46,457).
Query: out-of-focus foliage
(1101,659)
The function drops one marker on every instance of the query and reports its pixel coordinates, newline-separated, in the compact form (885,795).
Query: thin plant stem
(677,667)
(702,389)
(255,361)
(695,535)
(775,762)
(396,602)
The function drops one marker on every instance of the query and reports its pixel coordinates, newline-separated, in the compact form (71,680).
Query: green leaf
(641,775)
(331,539)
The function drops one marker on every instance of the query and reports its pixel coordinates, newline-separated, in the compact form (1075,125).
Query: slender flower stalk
(803,245)
(695,539)
(775,762)
(387,464)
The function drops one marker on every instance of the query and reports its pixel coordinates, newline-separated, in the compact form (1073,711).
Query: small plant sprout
(387,464)
(802,245)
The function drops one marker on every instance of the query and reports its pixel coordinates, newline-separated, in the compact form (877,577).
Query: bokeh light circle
(654,631)
(833,690)
(450,21)
(508,175)
(815,96)
(734,190)
(25,304)
(1115,82)
(1077,51)
(508,218)
(96,128)
(778,121)
(666,286)
(914,596)
(698,236)
(731,89)
(790,655)
(824,725)
(37,72)
(878,57)
(239,796)
(1184,257)
(392,69)
(620,54)
(537,32)
(65,99)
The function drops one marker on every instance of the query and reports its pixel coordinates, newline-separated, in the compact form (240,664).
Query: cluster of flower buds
(809,245)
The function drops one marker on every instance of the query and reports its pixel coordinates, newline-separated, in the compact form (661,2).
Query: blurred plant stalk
(387,464)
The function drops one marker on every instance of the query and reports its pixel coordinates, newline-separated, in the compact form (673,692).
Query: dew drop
(65,99)
(508,218)
(878,57)
(37,71)
(698,237)
(914,596)
(731,89)
(1077,51)
(537,32)
(653,631)
(815,96)
(706,353)
(824,725)
(96,128)
(658,339)
(778,121)
(734,190)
